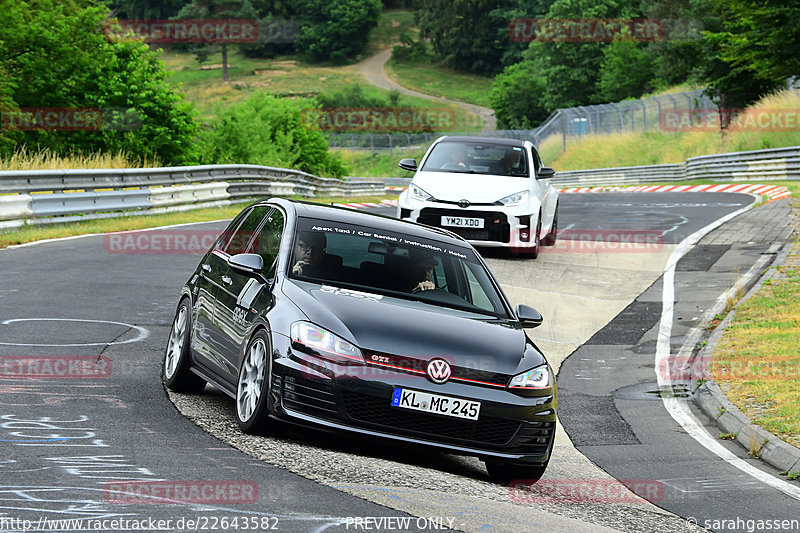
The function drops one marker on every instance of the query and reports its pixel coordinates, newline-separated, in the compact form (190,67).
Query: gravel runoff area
(359,467)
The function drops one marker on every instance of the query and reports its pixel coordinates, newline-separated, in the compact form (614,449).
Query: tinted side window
(268,242)
(240,241)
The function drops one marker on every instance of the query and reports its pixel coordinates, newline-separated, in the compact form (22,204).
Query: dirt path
(373,70)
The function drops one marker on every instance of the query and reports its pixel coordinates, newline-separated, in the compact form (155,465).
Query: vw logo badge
(463,204)
(438,370)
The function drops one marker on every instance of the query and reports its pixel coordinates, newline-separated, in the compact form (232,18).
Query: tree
(756,49)
(146,9)
(55,54)
(680,54)
(626,71)
(570,70)
(333,30)
(473,35)
(516,97)
(215,9)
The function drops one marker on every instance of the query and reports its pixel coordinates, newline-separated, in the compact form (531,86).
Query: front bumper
(510,427)
(504,227)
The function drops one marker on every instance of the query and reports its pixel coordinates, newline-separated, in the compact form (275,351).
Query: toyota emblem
(438,370)
(463,204)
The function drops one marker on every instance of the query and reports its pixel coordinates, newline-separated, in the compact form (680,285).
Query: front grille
(418,366)
(495,225)
(312,397)
(374,411)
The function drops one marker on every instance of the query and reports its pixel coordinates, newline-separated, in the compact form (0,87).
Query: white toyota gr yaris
(492,192)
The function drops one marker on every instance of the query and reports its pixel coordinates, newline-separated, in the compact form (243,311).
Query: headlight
(538,378)
(417,193)
(515,199)
(317,341)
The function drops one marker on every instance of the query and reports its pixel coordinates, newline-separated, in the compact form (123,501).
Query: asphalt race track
(104,304)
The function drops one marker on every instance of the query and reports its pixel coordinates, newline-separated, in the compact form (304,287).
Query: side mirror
(545,173)
(249,265)
(528,316)
(408,164)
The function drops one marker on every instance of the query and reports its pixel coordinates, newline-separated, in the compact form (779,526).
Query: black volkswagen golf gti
(332,317)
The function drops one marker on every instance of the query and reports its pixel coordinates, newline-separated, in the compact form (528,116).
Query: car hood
(408,328)
(454,186)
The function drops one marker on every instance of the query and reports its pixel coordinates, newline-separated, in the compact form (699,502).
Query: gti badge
(438,370)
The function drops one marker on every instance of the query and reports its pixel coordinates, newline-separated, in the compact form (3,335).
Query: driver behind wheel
(309,252)
(419,272)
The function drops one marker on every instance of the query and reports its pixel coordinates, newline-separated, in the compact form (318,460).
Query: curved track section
(71,436)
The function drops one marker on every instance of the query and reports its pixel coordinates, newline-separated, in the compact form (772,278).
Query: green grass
(39,232)
(365,163)
(438,80)
(757,361)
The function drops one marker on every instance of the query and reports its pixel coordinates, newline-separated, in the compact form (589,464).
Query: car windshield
(393,264)
(477,158)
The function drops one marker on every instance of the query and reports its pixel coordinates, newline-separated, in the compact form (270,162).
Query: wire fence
(646,114)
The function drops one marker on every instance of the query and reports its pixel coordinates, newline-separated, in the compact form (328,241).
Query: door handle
(206,267)
(226,280)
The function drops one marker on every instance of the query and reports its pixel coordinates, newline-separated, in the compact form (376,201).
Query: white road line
(679,409)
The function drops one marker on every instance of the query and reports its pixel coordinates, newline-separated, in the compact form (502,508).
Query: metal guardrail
(758,165)
(68,195)
(42,196)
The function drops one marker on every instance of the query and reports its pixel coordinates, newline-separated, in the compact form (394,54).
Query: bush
(265,130)
(411,51)
(354,96)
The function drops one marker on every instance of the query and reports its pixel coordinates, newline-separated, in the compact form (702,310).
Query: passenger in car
(312,260)
(419,272)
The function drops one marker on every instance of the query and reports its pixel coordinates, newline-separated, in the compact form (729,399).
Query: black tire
(252,385)
(504,472)
(550,238)
(178,354)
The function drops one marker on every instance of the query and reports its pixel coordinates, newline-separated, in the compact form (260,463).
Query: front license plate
(435,403)
(462,222)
